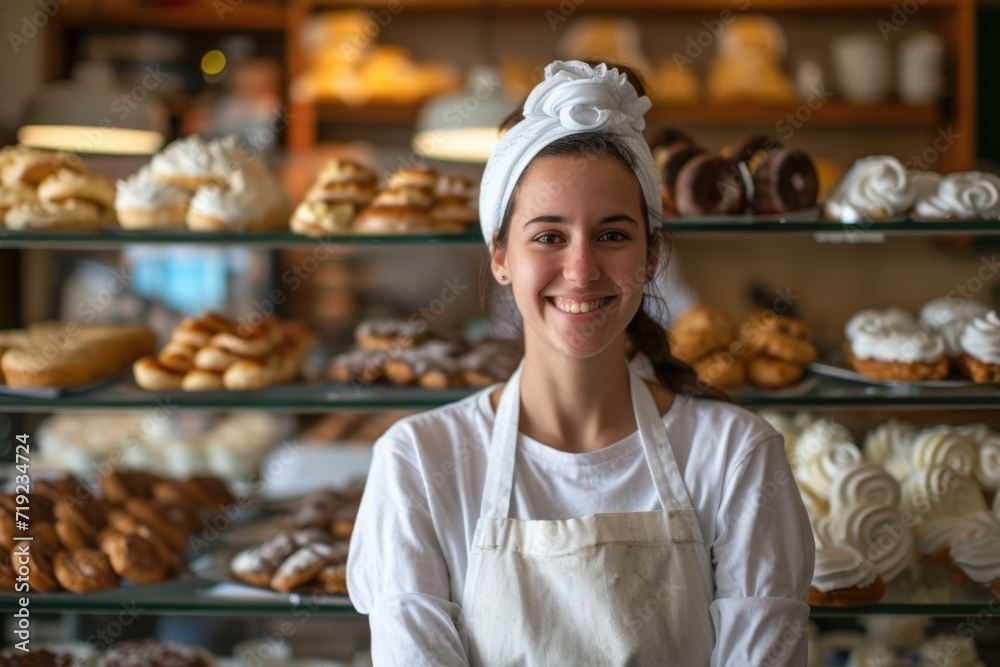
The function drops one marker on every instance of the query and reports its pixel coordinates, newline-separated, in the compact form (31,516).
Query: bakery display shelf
(728,225)
(817,393)
(639,5)
(833,113)
(191,16)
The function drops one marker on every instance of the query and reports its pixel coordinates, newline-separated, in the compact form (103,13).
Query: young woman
(577,514)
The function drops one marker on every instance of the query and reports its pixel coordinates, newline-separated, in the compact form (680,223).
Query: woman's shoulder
(455,425)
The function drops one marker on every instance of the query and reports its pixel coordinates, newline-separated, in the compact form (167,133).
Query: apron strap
(503,451)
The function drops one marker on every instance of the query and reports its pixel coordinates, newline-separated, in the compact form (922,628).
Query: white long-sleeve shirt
(410,548)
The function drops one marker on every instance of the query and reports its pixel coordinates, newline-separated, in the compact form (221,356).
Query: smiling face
(576,253)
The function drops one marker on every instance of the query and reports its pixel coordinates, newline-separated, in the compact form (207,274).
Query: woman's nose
(581,263)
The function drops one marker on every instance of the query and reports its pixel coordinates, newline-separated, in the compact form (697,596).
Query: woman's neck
(576,405)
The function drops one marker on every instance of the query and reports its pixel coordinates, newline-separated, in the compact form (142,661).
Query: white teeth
(577,307)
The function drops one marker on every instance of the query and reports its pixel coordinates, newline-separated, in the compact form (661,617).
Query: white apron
(629,588)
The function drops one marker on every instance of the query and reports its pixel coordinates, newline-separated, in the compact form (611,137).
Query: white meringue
(874,188)
(944,445)
(987,445)
(963,195)
(978,556)
(841,567)
(819,470)
(981,338)
(882,344)
(895,319)
(815,437)
(863,483)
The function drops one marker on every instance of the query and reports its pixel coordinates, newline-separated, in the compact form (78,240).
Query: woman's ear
(498,262)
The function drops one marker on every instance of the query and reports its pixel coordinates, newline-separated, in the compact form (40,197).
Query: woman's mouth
(578,307)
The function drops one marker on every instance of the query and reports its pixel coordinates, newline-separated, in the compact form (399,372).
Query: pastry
(452,215)
(154,653)
(976,557)
(843,578)
(943,445)
(709,185)
(190,164)
(42,657)
(890,445)
(201,380)
(751,147)
(135,558)
(669,159)
(145,512)
(863,483)
(41,565)
(26,166)
(490,362)
(208,492)
(980,345)
(73,215)
(386,334)
(986,467)
(821,468)
(967,195)
(815,438)
(225,208)
(215,359)
(779,349)
(361,366)
(10,197)
(355,194)
(71,537)
(298,569)
(318,218)
(66,185)
(433,364)
(720,370)
(895,319)
(404,195)
(885,354)
(392,219)
(420,176)
(948,317)
(783,180)
(142,201)
(256,566)
(874,188)
(333,579)
(345,171)
(84,571)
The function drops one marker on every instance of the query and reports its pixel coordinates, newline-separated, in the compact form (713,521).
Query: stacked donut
(214,186)
(704,337)
(756,174)
(145,652)
(880,187)
(418,199)
(42,190)
(779,349)
(68,354)
(405,354)
(137,530)
(309,553)
(892,345)
(212,353)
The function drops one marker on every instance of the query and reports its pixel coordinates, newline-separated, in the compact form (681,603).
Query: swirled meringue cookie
(863,483)
(965,195)
(980,343)
(819,471)
(875,188)
(881,344)
(979,557)
(893,319)
(890,445)
(815,437)
(877,532)
(934,538)
(944,445)
(950,651)
(986,442)
(938,492)
(842,577)
(142,201)
(948,317)
(786,426)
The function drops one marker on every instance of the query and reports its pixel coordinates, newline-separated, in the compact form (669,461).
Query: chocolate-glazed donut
(744,148)
(784,180)
(709,185)
(669,160)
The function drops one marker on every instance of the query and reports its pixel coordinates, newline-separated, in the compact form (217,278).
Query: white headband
(574,98)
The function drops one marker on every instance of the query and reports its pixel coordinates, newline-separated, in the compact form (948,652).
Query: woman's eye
(546,238)
(613,236)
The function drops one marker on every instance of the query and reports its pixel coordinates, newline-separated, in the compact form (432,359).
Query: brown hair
(643,331)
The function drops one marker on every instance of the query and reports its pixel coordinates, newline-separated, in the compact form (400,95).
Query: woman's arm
(396,571)
(763,560)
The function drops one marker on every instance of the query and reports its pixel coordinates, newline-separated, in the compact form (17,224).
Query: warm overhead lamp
(464,126)
(90,114)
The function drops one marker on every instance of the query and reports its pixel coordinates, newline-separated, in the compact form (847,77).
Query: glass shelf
(814,392)
(925,591)
(722,225)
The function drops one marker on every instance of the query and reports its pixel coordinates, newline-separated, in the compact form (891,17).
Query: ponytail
(650,339)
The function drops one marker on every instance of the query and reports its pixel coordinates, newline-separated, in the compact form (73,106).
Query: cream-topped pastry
(882,344)
(142,201)
(938,492)
(819,470)
(944,445)
(895,319)
(966,195)
(66,184)
(939,312)
(981,338)
(224,208)
(874,188)
(191,163)
(840,567)
(949,651)
(863,483)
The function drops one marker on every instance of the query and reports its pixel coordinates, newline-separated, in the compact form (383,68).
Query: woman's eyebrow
(618,217)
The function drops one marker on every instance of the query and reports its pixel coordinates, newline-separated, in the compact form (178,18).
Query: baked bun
(784,180)
(392,219)
(710,185)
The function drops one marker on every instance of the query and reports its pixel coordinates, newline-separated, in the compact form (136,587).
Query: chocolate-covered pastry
(710,185)
(784,180)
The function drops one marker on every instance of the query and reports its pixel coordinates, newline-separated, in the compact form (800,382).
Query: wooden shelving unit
(204,15)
